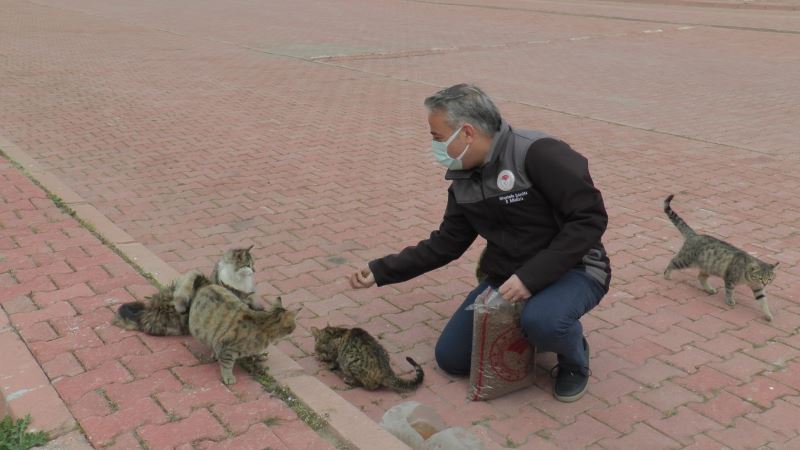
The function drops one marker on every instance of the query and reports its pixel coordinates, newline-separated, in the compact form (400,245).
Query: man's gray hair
(466,103)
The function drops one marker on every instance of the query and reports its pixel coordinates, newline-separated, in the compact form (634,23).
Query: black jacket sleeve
(451,240)
(562,176)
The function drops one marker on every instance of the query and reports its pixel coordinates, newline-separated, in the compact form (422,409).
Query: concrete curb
(346,422)
(25,389)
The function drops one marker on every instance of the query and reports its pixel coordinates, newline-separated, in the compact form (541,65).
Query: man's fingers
(361,279)
(355,281)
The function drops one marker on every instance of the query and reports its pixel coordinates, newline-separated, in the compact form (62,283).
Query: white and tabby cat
(715,257)
(166,312)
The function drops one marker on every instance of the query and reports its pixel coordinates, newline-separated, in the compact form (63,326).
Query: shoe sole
(575,397)
(571,398)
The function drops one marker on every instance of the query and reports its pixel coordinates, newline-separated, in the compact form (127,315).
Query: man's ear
(470,132)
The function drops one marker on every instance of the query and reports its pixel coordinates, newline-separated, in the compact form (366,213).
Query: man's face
(441,132)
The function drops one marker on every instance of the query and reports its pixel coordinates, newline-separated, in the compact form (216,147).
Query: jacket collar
(499,141)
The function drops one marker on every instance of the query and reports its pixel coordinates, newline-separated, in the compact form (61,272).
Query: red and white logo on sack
(510,355)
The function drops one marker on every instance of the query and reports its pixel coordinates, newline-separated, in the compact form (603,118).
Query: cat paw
(710,291)
(730,301)
(768,317)
(667,276)
(228,380)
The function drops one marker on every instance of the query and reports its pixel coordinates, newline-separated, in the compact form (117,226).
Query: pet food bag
(502,359)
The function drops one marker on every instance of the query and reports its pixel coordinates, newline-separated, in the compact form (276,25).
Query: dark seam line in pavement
(420,82)
(414,53)
(712,6)
(600,16)
(545,108)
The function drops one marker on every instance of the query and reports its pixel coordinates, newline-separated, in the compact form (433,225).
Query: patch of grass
(510,444)
(544,434)
(14,437)
(272,421)
(112,405)
(484,421)
(306,414)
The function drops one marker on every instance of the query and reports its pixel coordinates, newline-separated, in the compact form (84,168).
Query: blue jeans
(549,320)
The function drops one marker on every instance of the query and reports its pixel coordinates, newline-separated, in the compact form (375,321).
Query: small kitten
(715,257)
(362,360)
(166,312)
(219,319)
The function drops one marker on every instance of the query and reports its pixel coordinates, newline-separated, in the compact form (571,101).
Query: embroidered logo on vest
(505,180)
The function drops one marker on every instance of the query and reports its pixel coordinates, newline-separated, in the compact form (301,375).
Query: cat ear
(250,248)
(279,302)
(775,266)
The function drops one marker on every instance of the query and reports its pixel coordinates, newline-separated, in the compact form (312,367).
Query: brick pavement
(60,286)
(299,127)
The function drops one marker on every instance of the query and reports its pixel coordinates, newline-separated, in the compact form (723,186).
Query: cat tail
(676,220)
(129,316)
(398,384)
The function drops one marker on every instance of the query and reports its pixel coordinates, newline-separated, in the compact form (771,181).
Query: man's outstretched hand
(362,279)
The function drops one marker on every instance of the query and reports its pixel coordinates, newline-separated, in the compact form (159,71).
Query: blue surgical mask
(439,150)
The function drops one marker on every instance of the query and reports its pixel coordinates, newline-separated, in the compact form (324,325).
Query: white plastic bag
(412,423)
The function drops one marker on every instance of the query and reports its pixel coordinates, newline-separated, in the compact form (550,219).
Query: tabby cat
(361,359)
(166,312)
(715,257)
(219,319)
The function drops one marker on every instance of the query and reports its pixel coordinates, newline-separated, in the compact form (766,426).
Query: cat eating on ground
(361,359)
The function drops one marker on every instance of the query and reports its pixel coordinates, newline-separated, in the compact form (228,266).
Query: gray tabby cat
(219,319)
(166,312)
(361,359)
(715,257)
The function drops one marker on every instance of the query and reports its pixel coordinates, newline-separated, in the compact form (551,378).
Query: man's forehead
(438,122)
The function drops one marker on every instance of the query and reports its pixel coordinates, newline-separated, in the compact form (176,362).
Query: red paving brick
(95,377)
(299,128)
